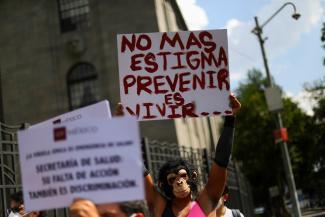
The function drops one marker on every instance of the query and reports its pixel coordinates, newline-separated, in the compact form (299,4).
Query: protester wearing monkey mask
(178,179)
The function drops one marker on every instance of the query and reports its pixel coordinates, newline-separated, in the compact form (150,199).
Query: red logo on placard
(60,133)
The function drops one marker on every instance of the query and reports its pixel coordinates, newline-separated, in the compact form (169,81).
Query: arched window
(82,85)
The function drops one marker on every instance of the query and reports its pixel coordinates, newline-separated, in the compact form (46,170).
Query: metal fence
(10,181)
(155,154)
(240,193)
(9,166)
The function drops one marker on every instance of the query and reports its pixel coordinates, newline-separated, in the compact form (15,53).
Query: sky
(293,47)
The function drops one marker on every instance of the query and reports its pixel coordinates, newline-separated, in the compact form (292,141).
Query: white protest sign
(174,74)
(98,110)
(96,159)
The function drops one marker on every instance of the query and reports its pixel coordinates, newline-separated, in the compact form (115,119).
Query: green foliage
(254,137)
(318,128)
(301,143)
(255,147)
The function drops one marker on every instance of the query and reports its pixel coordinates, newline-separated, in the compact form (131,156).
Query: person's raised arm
(218,173)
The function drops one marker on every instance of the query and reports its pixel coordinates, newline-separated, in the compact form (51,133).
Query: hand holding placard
(235,105)
(119,111)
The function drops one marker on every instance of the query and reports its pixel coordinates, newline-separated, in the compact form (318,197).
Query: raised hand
(234,104)
(83,208)
(119,111)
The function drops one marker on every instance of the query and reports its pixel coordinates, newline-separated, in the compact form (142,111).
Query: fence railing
(9,164)
(155,154)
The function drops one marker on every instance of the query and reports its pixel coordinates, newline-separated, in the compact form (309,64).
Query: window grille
(74,14)
(82,85)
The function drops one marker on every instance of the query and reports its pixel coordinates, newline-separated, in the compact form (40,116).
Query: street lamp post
(258,30)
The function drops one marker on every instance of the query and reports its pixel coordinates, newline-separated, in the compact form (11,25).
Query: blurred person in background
(17,208)
(222,210)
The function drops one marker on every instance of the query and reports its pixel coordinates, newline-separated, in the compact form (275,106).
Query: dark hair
(174,166)
(17,197)
(42,214)
(225,190)
(134,207)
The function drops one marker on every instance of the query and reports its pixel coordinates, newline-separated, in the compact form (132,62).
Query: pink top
(196,210)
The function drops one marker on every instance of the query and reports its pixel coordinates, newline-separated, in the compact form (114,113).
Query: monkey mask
(178,179)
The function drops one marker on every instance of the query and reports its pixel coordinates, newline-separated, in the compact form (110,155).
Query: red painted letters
(163,72)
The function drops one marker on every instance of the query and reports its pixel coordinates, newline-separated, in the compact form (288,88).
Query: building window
(82,85)
(74,14)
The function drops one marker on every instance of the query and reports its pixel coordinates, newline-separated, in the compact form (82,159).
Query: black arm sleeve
(224,146)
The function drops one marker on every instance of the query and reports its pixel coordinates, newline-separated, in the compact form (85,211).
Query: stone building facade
(58,55)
